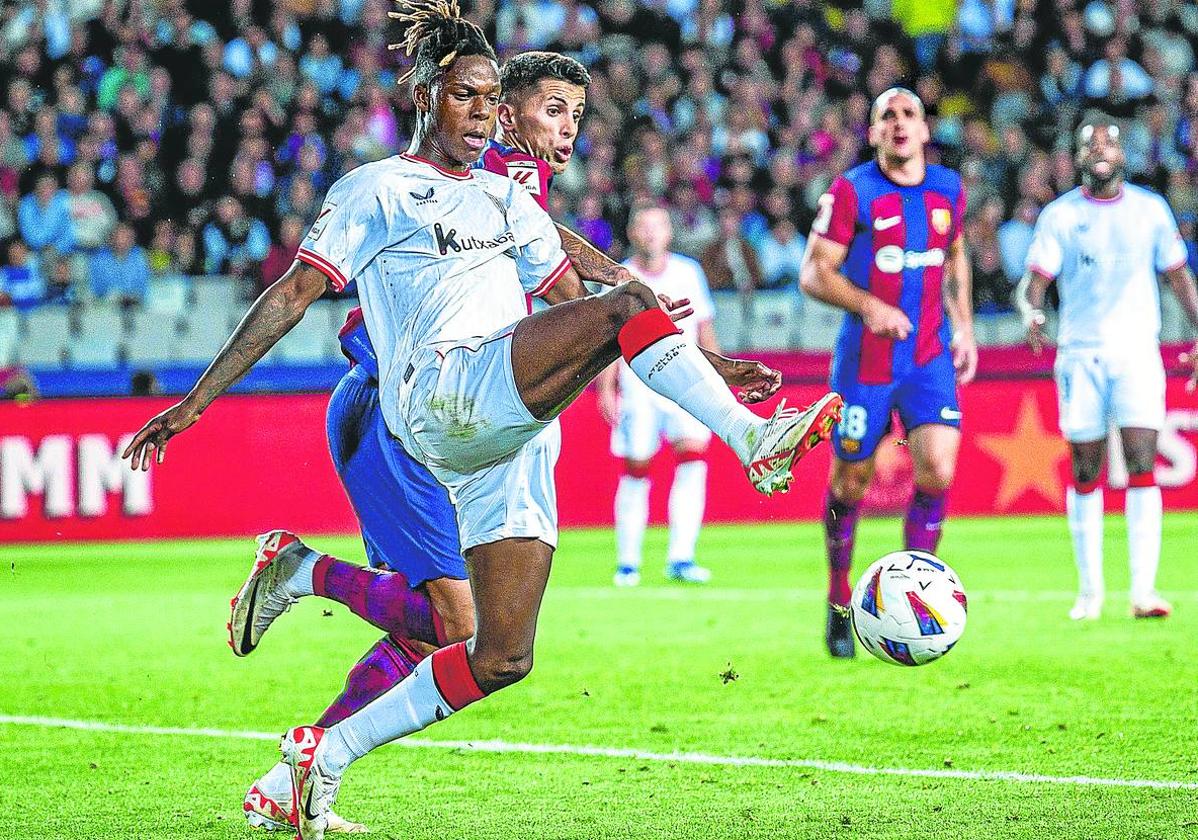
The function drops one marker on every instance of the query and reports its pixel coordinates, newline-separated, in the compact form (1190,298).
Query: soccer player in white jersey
(442,256)
(1104,244)
(641,418)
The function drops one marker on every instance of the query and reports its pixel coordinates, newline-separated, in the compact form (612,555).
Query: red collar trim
(1091,197)
(448,173)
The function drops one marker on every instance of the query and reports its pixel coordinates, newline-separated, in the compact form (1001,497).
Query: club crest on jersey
(526,174)
(942,220)
(322,219)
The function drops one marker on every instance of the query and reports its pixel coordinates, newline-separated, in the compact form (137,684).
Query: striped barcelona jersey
(532,173)
(898,239)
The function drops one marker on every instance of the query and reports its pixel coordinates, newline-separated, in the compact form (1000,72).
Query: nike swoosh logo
(924,584)
(308,806)
(949,414)
(249,620)
(887,223)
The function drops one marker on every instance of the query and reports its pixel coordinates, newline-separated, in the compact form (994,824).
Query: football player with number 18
(886,247)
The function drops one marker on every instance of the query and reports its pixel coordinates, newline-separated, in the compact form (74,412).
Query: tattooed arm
(270,317)
(592,265)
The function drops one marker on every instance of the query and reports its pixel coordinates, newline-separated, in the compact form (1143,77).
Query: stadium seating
(97,342)
(45,337)
(10,328)
(772,319)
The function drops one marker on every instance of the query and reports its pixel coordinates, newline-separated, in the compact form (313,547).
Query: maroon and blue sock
(384,665)
(382,598)
(925,518)
(840,527)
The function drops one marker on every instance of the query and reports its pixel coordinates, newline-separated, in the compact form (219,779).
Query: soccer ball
(909,608)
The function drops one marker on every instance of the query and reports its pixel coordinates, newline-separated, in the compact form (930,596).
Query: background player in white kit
(1104,244)
(640,419)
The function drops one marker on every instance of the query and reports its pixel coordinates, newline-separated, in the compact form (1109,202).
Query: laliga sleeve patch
(322,219)
(526,174)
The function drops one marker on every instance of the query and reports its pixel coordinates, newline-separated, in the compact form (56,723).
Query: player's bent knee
(1086,473)
(629,300)
(495,672)
(850,485)
(936,477)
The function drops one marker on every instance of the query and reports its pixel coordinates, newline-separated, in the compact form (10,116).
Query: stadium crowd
(155,138)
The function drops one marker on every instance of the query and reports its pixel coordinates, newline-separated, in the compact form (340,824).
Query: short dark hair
(521,73)
(436,35)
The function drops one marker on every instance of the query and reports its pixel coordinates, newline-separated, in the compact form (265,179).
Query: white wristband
(1033,317)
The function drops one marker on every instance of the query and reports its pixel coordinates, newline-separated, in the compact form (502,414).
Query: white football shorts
(1097,388)
(465,421)
(646,417)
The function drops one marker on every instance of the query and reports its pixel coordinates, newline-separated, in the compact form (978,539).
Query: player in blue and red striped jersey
(886,247)
(417,590)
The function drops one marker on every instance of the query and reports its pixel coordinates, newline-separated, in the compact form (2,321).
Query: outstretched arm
(271,316)
(958,301)
(820,277)
(592,265)
(1182,281)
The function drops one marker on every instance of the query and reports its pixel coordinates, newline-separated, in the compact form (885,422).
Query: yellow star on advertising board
(1030,456)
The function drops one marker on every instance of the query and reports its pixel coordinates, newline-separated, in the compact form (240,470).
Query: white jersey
(1105,256)
(438,256)
(681,278)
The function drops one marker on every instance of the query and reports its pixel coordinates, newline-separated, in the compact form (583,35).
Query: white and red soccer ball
(909,608)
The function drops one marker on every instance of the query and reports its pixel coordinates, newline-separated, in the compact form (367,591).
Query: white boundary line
(639,755)
(764,595)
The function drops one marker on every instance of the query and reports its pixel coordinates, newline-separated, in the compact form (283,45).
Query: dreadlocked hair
(435,35)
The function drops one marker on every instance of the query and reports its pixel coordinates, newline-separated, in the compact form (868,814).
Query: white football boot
(626,576)
(786,437)
(281,575)
(313,786)
(267,805)
(1151,606)
(1086,608)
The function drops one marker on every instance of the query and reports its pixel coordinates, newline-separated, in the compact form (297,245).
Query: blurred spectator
(92,215)
(991,290)
(144,383)
(17,384)
(130,69)
(781,255)
(8,219)
(21,283)
(729,262)
(44,217)
(234,243)
(1015,238)
(282,253)
(1115,78)
(60,281)
(121,271)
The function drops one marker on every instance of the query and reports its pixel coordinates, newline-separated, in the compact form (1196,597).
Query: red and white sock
(688,497)
(664,360)
(632,514)
(1143,509)
(1083,508)
(441,685)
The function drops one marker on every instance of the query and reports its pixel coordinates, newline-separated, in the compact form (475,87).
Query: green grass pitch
(133,634)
